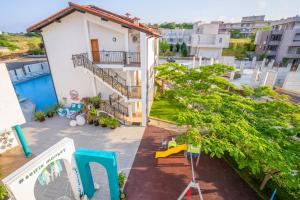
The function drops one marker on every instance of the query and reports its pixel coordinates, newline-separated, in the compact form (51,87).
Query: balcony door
(95,50)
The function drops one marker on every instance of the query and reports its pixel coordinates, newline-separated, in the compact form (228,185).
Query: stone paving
(123,140)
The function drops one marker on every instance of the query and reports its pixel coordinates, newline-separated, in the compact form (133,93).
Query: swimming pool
(39,90)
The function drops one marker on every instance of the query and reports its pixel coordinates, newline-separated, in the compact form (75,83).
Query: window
(272,48)
(220,40)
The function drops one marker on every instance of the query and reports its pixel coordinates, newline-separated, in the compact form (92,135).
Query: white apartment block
(202,41)
(97,52)
(248,25)
(282,42)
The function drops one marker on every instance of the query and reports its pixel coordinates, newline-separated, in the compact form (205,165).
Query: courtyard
(40,136)
(135,148)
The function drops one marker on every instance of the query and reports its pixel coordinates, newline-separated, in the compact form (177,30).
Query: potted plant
(96,121)
(122,179)
(91,115)
(86,100)
(40,116)
(51,111)
(95,101)
(89,118)
(103,121)
(113,123)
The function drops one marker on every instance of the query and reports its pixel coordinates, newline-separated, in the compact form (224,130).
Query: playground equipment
(177,149)
(193,184)
(20,183)
(192,150)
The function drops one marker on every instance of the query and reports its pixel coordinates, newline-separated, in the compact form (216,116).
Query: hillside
(21,43)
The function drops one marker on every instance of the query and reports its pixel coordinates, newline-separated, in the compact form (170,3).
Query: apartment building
(202,41)
(282,43)
(248,25)
(97,52)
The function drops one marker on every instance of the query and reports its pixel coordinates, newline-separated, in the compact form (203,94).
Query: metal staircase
(108,76)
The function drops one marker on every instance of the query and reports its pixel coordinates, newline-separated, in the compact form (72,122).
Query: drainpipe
(23,140)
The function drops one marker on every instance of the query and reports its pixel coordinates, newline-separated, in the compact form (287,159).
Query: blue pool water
(39,90)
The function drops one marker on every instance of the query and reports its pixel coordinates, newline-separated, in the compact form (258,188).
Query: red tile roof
(94,10)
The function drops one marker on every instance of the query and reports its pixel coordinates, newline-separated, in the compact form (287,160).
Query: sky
(17,15)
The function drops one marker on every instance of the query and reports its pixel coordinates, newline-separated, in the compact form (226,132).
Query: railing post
(127,92)
(124,57)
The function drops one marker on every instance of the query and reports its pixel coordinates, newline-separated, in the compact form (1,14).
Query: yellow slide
(163,154)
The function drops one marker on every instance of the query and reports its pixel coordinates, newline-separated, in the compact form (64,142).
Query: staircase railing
(106,107)
(114,101)
(107,75)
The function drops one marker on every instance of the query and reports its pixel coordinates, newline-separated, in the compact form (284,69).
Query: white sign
(21,182)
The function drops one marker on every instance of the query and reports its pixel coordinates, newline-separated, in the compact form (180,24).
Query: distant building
(203,40)
(282,43)
(248,25)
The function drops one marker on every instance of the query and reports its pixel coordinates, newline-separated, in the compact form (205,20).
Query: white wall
(10,110)
(105,38)
(292,82)
(207,52)
(134,46)
(62,40)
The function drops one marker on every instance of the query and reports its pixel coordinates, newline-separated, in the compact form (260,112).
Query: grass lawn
(165,109)
(20,43)
(236,47)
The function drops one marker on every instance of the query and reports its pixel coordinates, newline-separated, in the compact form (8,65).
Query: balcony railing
(117,57)
(108,76)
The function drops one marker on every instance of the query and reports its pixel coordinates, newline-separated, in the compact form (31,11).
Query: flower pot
(96,123)
(41,119)
(50,115)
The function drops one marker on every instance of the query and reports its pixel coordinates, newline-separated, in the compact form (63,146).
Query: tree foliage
(258,135)
(184,50)
(173,25)
(163,46)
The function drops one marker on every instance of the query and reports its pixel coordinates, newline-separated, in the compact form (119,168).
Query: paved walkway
(41,136)
(168,178)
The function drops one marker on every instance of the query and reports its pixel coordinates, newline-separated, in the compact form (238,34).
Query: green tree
(177,47)
(163,46)
(257,135)
(184,50)
(235,33)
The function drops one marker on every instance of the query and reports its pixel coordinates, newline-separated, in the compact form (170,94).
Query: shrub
(3,192)
(122,179)
(40,116)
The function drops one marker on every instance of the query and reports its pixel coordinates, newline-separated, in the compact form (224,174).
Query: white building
(95,51)
(10,111)
(248,25)
(202,41)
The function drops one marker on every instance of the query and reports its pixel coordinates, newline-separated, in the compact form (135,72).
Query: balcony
(292,55)
(277,32)
(274,42)
(127,59)
(271,53)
